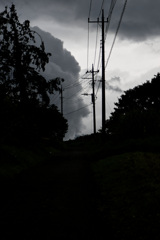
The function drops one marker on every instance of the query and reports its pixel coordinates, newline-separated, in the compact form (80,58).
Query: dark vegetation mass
(25,107)
(92,187)
(137,112)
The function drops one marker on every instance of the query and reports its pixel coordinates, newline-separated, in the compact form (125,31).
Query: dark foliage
(24,93)
(137,112)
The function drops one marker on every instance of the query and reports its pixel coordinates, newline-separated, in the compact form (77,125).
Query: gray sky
(141,18)
(135,57)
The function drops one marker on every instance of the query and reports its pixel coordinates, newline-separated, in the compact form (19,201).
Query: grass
(15,158)
(129,186)
(127,177)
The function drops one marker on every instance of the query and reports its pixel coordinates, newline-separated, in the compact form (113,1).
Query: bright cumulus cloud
(63,65)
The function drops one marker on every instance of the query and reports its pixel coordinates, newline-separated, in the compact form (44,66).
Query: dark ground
(54,201)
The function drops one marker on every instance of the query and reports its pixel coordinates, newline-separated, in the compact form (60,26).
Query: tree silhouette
(24,92)
(21,60)
(137,113)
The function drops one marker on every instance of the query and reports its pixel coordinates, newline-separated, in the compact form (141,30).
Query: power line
(75,101)
(113,2)
(90,8)
(96,45)
(88,34)
(76,82)
(124,7)
(53,97)
(101,8)
(98,88)
(76,92)
(99,59)
(78,109)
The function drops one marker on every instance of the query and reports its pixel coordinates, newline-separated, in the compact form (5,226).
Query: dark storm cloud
(141,18)
(63,12)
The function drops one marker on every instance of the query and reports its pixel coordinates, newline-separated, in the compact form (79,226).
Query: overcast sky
(135,57)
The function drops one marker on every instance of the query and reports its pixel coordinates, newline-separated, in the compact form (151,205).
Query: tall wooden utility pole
(93,97)
(93,101)
(103,78)
(61,92)
(103,72)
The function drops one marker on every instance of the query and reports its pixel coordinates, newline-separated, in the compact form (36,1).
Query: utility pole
(103,72)
(93,97)
(103,78)
(93,101)
(61,92)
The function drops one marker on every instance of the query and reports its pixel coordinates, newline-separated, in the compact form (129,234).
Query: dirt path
(55,201)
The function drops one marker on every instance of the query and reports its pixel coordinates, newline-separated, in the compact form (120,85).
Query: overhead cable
(109,16)
(88,34)
(101,8)
(96,45)
(78,109)
(124,7)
